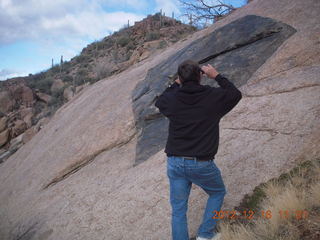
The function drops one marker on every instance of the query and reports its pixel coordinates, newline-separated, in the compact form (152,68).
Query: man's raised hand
(210,71)
(178,81)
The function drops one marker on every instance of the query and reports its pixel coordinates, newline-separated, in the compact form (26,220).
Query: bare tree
(199,12)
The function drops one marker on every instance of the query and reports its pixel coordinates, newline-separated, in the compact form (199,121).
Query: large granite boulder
(56,85)
(6,101)
(237,50)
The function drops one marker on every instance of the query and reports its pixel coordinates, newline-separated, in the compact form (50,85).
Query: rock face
(75,178)
(68,93)
(43,97)
(6,101)
(237,50)
(56,85)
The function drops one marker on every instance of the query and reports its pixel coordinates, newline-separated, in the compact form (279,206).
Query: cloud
(37,20)
(8,73)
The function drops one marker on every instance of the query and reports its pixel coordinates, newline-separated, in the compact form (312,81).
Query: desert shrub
(167,23)
(115,55)
(92,80)
(82,72)
(123,41)
(55,102)
(66,66)
(58,93)
(67,78)
(33,80)
(162,44)
(84,65)
(108,43)
(55,68)
(38,106)
(44,85)
(156,17)
(102,70)
(129,54)
(150,36)
(16,105)
(82,58)
(286,207)
(80,77)
(130,46)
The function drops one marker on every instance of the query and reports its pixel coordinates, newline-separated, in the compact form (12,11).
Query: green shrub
(162,44)
(34,79)
(55,68)
(102,70)
(58,93)
(128,55)
(156,17)
(115,55)
(67,78)
(123,41)
(130,46)
(38,106)
(82,72)
(44,85)
(150,36)
(84,65)
(66,65)
(167,24)
(82,58)
(108,43)
(55,102)
(92,80)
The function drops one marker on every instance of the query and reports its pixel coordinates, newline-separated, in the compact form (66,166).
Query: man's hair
(189,70)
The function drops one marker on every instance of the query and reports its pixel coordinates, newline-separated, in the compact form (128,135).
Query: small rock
(3,123)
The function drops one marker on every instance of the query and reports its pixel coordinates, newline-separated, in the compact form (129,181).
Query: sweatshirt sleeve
(230,95)
(162,101)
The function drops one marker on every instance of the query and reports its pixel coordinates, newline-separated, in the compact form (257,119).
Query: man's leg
(179,193)
(210,180)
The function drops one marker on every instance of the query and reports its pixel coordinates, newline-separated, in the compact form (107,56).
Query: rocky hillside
(97,169)
(27,103)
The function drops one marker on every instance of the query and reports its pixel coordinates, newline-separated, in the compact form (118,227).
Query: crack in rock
(271,131)
(282,91)
(73,168)
(258,37)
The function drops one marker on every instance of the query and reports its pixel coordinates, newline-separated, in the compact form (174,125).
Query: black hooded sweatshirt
(194,112)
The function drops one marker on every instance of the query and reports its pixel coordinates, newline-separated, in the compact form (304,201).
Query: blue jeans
(182,173)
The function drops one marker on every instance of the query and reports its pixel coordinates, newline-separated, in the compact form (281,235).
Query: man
(194,112)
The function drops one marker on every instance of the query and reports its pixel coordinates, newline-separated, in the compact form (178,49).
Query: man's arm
(229,95)
(162,102)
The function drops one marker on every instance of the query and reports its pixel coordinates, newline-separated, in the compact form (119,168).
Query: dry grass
(291,206)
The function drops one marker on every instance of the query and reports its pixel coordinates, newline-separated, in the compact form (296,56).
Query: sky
(32,32)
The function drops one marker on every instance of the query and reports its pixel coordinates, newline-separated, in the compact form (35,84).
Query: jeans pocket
(171,169)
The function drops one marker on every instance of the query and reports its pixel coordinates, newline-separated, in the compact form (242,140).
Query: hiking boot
(216,237)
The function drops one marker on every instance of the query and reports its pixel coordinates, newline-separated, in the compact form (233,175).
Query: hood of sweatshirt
(191,92)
